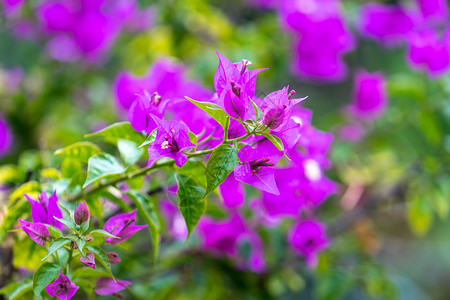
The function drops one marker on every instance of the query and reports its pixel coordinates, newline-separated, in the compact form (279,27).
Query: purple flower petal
(38,232)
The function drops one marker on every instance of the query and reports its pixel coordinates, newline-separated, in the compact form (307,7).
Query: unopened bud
(88,238)
(113,257)
(81,214)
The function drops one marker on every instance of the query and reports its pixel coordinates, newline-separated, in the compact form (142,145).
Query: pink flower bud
(81,214)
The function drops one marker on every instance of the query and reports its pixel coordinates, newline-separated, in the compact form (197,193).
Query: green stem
(125,176)
(145,171)
(69,260)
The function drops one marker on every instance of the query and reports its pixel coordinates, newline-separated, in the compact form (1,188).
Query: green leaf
(32,188)
(220,164)
(275,140)
(54,232)
(190,201)
(51,173)
(61,242)
(420,215)
(17,289)
(214,110)
(258,111)
(129,151)
(84,226)
(120,130)
(80,243)
(95,207)
(139,200)
(11,174)
(100,166)
(11,214)
(194,168)
(101,233)
(80,151)
(150,139)
(27,254)
(70,167)
(192,138)
(69,223)
(44,275)
(102,257)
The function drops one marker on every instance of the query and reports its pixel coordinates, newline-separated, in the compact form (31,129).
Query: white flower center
(312,170)
(165,145)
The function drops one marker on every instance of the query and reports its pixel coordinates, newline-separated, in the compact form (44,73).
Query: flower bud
(89,238)
(113,257)
(81,214)
(88,260)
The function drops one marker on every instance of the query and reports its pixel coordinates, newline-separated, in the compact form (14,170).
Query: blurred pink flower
(369,96)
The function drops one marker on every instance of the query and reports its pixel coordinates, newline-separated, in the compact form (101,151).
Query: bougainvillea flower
(315,23)
(62,288)
(301,187)
(277,108)
(107,286)
(113,257)
(171,138)
(81,213)
(45,209)
(353,132)
(174,220)
(227,237)
(157,93)
(38,232)
(235,100)
(89,260)
(429,52)
(256,167)
(235,85)
(91,25)
(122,226)
(389,24)
(220,237)
(369,95)
(433,9)
(308,238)
(10,7)
(322,65)
(165,77)
(6,137)
(232,192)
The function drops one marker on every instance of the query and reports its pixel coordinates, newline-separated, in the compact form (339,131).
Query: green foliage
(27,254)
(140,200)
(190,200)
(11,215)
(17,289)
(420,215)
(44,275)
(54,246)
(117,131)
(101,256)
(129,151)
(275,140)
(220,164)
(101,166)
(150,138)
(80,151)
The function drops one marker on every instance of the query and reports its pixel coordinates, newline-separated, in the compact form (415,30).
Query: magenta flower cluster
(45,212)
(422,27)
(78,29)
(299,184)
